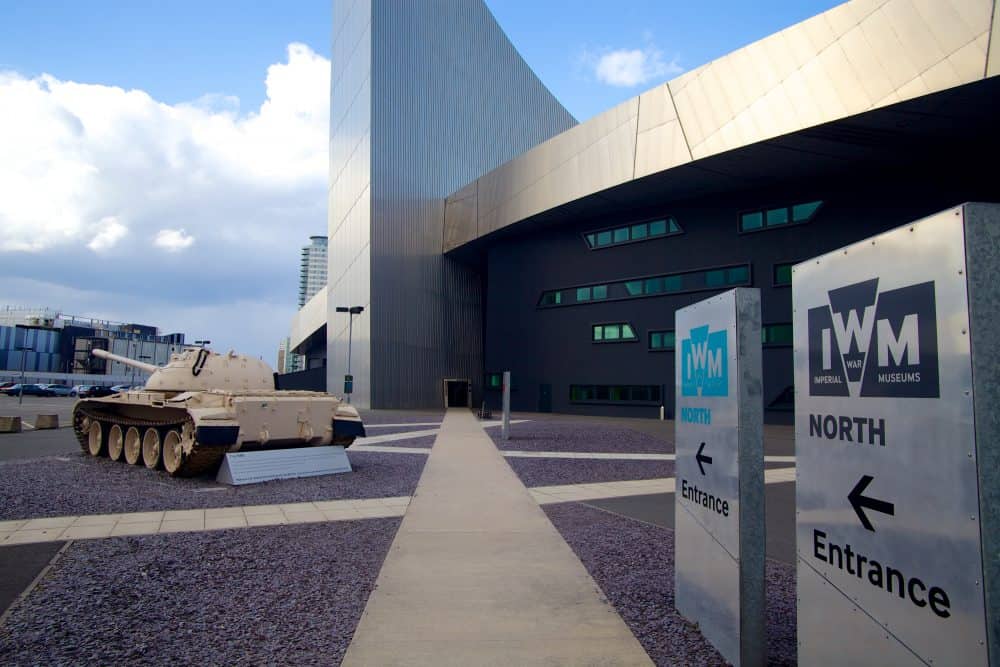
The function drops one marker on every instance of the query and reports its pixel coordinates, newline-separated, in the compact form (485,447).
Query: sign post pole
(897,380)
(719,501)
(505,426)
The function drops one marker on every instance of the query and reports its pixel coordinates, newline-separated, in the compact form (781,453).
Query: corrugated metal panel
(451,100)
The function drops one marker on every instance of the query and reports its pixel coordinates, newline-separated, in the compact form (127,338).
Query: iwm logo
(704,363)
(867,343)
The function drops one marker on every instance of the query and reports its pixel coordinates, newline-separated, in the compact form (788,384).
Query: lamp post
(349,379)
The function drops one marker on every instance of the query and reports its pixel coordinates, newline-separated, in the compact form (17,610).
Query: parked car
(121,387)
(6,385)
(57,389)
(92,391)
(29,390)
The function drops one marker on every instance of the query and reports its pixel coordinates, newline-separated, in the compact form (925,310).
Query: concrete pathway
(477,575)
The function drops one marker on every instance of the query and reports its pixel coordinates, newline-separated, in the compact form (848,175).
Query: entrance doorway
(457,393)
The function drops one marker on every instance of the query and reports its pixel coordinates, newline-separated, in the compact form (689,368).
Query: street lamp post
(349,379)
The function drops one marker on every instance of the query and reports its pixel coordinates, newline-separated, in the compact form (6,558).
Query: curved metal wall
(450,100)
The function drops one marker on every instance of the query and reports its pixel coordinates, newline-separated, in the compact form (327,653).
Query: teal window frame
(657,340)
(777,217)
(634,232)
(616,394)
(612,332)
(778,334)
(781,267)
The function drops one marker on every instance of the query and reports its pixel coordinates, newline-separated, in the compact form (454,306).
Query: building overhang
(866,83)
(308,328)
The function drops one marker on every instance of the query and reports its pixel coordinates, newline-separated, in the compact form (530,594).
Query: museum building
(484,230)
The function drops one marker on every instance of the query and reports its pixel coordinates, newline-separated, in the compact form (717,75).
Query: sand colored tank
(202,405)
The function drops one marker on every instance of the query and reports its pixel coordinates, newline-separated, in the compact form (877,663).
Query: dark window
(692,281)
(783,274)
(776,334)
(752,221)
(661,340)
(640,231)
(615,332)
(614,393)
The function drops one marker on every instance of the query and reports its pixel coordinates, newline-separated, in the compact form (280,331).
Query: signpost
(719,507)
(897,386)
(505,424)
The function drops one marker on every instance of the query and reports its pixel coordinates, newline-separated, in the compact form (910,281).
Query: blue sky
(163,162)
(181,50)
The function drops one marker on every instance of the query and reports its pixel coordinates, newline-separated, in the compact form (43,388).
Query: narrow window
(658,228)
(621,235)
(738,275)
(591,240)
(627,332)
(612,332)
(782,274)
(598,333)
(802,212)
(715,278)
(654,285)
(674,227)
(604,238)
(672,283)
(776,334)
(600,291)
(633,287)
(640,231)
(751,221)
(583,294)
(777,216)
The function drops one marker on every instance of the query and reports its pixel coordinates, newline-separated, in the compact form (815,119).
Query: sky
(163,163)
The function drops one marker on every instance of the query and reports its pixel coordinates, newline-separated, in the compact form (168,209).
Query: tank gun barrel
(104,354)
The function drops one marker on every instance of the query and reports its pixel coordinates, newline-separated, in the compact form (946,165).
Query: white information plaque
(262,466)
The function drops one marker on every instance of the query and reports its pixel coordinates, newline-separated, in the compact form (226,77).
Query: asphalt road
(33,406)
(33,444)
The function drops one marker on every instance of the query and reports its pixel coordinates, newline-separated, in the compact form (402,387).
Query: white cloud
(92,177)
(107,233)
(173,240)
(631,67)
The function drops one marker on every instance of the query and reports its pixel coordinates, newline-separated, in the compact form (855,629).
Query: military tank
(202,405)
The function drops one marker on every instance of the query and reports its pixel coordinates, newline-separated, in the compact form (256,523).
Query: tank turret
(200,369)
(201,405)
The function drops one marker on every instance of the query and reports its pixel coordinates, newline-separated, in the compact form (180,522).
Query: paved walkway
(477,575)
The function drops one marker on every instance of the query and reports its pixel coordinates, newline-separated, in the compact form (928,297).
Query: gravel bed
(633,563)
(550,472)
(400,416)
(424,441)
(565,436)
(288,595)
(80,484)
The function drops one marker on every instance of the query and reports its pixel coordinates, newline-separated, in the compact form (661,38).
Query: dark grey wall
(450,100)
(553,345)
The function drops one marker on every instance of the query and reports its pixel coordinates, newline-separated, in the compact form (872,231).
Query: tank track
(198,461)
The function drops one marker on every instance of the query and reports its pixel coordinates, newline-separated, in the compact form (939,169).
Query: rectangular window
(654,285)
(751,221)
(633,287)
(604,238)
(598,332)
(661,340)
(802,212)
(738,275)
(715,278)
(600,291)
(776,334)
(673,284)
(612,332)
(583,294)
(615,332)
(658,228)
(494,380)
(620,235)
(639,231)
(777,216)
(648,394)
(627,331)
(551,299)
(783,274)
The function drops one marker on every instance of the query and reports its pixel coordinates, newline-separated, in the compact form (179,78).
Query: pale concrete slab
(135,528)
(86,532)
(181,526)
(254,520)
(140,517)
(96,520)
(50,522)
(219,522)
(478,575)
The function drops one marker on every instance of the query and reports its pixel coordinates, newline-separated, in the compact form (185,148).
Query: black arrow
(860,502)
(701,458)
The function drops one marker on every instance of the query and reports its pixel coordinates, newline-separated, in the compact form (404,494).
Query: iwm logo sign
(867,343)
(704,363)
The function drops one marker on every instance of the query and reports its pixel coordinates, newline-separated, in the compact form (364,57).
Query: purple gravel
(565,436)
(85,485)
(424,441)
(550,472)
(633,563)
(400,416)
(279,595)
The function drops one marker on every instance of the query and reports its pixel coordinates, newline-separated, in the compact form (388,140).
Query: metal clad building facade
(441,98)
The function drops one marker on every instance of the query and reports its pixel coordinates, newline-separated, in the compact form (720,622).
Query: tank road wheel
(173,452)
(133,445)
(151,448)
(116,443)
(95,439)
